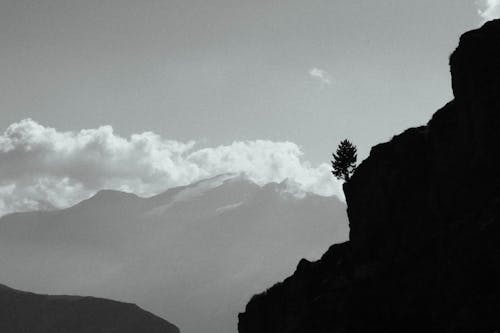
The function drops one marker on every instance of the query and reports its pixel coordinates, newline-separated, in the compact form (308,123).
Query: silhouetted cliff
(424,212)
(27,312)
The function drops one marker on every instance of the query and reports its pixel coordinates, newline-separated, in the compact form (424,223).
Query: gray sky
(309,72)
(226,70)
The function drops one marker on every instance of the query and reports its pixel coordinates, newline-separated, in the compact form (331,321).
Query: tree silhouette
(344,160)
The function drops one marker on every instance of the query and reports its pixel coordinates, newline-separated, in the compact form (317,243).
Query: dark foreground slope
(424,212)
(27,312)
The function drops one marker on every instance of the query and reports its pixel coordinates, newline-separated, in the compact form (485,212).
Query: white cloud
(489,9)
(321,75)
(41,166)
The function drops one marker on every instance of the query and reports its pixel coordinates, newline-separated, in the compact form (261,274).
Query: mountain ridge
(115,195)
(191,254)
(22,311)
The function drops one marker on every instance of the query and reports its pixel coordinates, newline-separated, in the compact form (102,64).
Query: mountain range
(193,254)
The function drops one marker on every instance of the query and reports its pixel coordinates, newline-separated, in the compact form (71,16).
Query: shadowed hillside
(26,312)
(424,212)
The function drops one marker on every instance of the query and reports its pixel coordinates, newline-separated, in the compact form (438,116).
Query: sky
(145,95)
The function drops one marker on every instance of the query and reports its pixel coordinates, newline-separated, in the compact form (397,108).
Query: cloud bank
(489,9)
(42,167)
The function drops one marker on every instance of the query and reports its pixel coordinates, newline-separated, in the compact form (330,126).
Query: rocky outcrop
(424,216)
(27,312)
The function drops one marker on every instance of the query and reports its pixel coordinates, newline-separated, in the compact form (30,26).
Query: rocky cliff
(424,216)
(28,312)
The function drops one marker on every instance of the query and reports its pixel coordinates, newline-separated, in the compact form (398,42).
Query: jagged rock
(27,312)
(424,215)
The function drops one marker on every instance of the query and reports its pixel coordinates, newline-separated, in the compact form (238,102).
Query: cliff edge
(424,216)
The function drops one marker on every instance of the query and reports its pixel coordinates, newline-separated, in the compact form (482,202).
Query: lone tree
(344,160)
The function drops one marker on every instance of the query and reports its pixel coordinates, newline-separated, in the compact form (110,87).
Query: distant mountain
(193,254)
(27,312)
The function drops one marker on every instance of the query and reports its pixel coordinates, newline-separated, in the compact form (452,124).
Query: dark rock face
(27,312)
(424,212)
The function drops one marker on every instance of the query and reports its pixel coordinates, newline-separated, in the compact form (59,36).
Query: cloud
(321,75)
(43,167)
(489,9)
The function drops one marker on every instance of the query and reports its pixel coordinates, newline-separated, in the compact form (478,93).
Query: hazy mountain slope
(193,254)
(28,312)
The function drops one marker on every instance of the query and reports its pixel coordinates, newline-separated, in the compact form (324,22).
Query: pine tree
(344,160)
